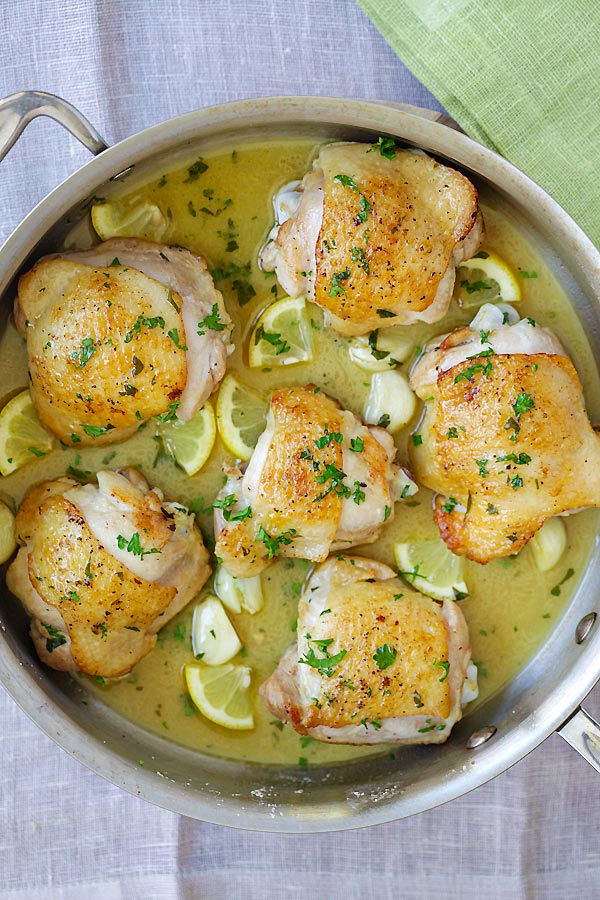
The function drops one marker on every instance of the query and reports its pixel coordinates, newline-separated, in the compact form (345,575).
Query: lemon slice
(391,403)
(8,540)
(221,694)
(214,639)
(432,569)
(22,436)
(241,415)
(239,594)
(140,220)
(282,335)
(191,442)
(549,544)
(486,278)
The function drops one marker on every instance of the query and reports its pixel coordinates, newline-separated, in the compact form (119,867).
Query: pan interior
(337,795)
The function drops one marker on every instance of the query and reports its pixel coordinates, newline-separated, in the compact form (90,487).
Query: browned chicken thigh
(102,568)
(318,480)
(119,333)
(374,238)
(506,441)
(374,660)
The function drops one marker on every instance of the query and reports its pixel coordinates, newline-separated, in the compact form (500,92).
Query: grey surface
(65,833)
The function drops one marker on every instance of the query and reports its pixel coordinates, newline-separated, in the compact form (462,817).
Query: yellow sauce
(510,610)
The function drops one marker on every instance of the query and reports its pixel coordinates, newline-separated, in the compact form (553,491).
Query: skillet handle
(583,734)
(18,110)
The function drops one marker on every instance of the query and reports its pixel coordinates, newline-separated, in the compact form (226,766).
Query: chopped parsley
(346,181)
(473,287)
(445,665)
(212,321)
(452,432)
(325,664)
(386,147)
(417,440)
(328,437)
(133,545)
(377,354)
(357,445)
(273,338)
(384,420)
(359,256)
(152,322)
(449,505)
(336,287)
(88,348)
(385,313)
(93,431)
(468,374)
(198,168)
(226,504)
(482,466)
(56,639)
(271,543)
(171,414)
(384,656)
(358,494)
(174,335)
(524,274)
(556,589)
(336,476)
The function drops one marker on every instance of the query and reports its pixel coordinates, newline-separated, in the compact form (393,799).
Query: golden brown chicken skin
(506,441)
(376,238)
(318,480)
(113,338)
(374,660)
(102,568)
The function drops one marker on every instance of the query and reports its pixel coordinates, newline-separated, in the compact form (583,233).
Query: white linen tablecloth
(65,834)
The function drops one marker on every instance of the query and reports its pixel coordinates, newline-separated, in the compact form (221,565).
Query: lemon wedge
(139,220)
(549,544)
(214,639)
(239,594)
(241,415)
(486,278)
(432,568)
(221,694)
(8,539)
(282,336)
(391,403)
(22,436)
(191,442)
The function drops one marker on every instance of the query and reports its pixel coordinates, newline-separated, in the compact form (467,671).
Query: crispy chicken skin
(307,490)
(96,605)
(398,660)
(113,338)
(505,435)
(374,240)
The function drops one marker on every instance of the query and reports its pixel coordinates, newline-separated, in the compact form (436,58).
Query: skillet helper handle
(583,734)
(18,110)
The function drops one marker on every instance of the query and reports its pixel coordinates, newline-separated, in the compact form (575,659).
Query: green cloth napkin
(521,77)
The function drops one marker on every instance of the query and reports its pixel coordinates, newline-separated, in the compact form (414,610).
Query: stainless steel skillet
(544,697)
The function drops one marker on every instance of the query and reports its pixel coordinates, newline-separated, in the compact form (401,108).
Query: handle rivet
(584,627)
(121,175)
(481,736)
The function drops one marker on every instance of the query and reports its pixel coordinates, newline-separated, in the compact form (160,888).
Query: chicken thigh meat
(118,333)
(319,480)
(102,568)
(506,441)
(374,661)
(374,239)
